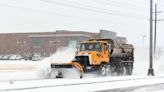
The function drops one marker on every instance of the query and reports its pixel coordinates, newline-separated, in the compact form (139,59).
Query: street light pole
(143,40)
(151,70)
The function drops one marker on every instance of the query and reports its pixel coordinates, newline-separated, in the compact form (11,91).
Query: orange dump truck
(100,56)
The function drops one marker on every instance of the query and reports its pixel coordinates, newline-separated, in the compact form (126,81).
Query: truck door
(105,53)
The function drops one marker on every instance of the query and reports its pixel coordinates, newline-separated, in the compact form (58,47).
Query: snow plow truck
(99,56)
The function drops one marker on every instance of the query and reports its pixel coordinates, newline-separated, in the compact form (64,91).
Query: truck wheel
(60,75)
(81,76)
(102,70)
(120,70)
(129,70)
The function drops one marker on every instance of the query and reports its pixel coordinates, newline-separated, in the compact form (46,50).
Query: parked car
(28,57)
(12,57)
(16,57)
(1,56)
(36,58)
(6,57)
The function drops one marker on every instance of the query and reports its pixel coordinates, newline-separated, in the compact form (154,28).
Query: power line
(123,3)
(117,5)
(93,10)
(68,16)
(88,6)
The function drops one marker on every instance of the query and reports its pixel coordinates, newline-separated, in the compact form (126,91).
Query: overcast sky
(129,18)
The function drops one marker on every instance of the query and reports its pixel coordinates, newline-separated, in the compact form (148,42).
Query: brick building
(44,43)
(41,43)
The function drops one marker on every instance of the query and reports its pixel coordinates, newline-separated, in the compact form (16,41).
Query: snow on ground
(82,85)
(147,88)
(12,71)
(21,69)
(37,69)
(162,90)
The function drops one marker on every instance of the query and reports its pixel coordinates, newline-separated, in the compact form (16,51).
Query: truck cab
(97,52)
(93,55)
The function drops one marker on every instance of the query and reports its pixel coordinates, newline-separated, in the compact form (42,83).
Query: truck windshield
(91,47)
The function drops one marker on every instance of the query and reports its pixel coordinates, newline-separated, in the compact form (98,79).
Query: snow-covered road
(147,88)
(80,85)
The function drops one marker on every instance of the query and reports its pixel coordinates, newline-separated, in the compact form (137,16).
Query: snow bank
(21,69)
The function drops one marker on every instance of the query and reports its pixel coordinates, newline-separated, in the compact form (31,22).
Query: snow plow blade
(67,70)
(61,66)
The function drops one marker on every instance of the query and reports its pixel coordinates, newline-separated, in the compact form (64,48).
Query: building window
(54,41)
(24,42)
(50,42)
(58,41)
(17,42)
(37,42)
(20,42)
(72,43)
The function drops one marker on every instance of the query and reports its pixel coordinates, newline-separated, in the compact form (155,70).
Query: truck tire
(60,75)
(120,70)
(102,70)
(129,70)
(81,76)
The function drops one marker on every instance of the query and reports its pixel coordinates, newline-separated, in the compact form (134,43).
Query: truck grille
(84,60)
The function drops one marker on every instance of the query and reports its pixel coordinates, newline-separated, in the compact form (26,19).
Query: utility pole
(155,27)
(151,70)
(155,30)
